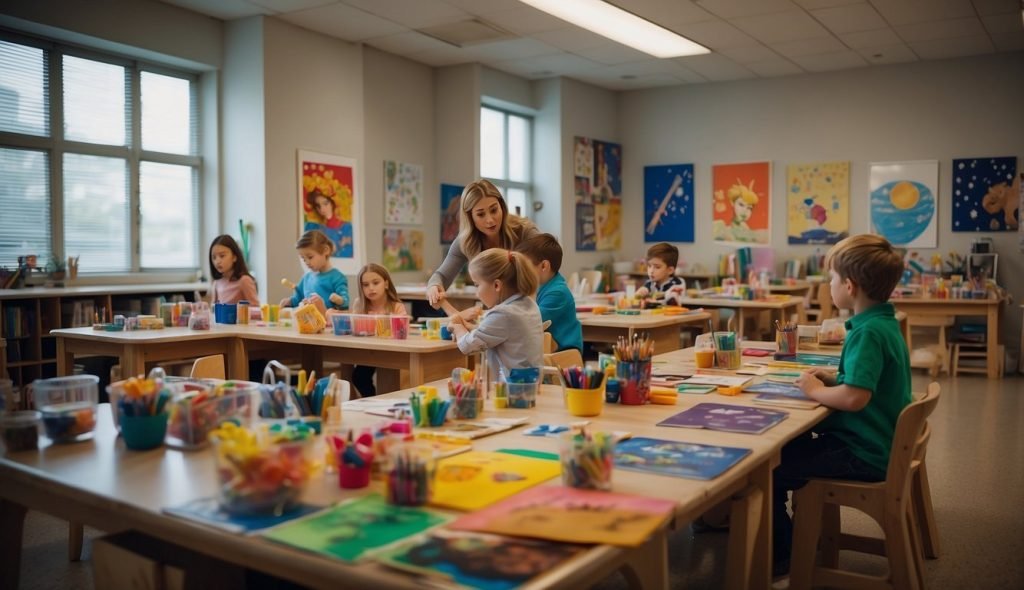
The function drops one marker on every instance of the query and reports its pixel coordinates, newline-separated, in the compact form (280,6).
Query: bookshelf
(28,315)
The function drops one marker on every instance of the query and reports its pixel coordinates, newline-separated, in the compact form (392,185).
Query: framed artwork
(451,197)
(981,267)
(668,203)
(403,193)
(741,199)
(403,249)
(817,202)
(904,201)
(328,202)
(597,168)
(986,194)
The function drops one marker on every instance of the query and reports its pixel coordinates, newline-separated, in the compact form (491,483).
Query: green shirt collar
(878,310)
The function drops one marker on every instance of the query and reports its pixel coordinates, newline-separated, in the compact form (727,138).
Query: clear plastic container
(203,406)
(364,324)
(342,324)
(20,431)
(268,480)
(409,473)
(68,406)
(522,395)
(399,327)
(6,393)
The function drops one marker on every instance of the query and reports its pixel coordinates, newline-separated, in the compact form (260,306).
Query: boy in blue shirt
(554,298)
(869,391)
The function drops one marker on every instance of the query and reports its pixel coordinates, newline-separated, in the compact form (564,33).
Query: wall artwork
(451,196)
(668,203)
(328,202)
(403,193)
(817,202)
(597,168)
(904,201)
(986,194)
(741,210)
(403,249)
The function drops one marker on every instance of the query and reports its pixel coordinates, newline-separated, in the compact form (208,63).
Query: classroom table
(460,298)
(987,308)
(662,328)
(781,307)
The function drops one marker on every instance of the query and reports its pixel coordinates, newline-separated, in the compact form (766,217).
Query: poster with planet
(904,201)
(668,203)
(985,194)
(817,202)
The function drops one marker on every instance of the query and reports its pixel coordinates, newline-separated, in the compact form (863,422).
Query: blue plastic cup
(142,433)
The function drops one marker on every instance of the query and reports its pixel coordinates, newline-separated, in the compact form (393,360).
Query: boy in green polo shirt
(868,393)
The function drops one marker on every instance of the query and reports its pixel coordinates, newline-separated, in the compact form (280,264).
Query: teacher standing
(484,223)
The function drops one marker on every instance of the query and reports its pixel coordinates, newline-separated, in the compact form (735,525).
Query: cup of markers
(141,411)
(464,392)
(427,408)
(587,459)
(584,391)
(409,474)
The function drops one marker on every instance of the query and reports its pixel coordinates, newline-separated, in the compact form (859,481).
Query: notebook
(726,418)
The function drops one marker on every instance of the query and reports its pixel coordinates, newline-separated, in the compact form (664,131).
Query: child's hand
(286,302)
(642,292)
(809,382)
(826,376)
(470,314)
(337,300)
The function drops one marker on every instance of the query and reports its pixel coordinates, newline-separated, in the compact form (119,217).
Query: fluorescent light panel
(619,25)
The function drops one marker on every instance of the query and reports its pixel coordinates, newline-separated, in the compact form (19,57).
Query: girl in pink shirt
(377,296)
(231,279)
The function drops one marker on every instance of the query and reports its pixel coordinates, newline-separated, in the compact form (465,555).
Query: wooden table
(460,298)
(781,308)
(662,328)
(987,308)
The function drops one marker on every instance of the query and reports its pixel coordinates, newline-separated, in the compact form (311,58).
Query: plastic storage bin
(68,406)
(204,406)
(364,325)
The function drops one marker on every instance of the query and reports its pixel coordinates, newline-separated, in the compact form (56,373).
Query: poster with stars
(986,194)
(818,202)
(668,203)
(903,202)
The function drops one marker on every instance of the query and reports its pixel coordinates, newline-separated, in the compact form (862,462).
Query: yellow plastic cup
(585,402)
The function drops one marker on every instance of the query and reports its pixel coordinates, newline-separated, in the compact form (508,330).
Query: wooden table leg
(744,522)
(761,558)
(12,525)
(647,566)
(237,359)
(75,534)
(133,361)
(992,342)
(65,359)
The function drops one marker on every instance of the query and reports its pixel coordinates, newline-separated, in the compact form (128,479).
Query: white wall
(547,160)
(930,110)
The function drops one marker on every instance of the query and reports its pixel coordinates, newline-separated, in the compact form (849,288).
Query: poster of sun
(328,202)
(668,203)
(403,249)
(904,199)
(817,202)
(986,194)
(597,170)
(451,196)
(741,211)
(403,193)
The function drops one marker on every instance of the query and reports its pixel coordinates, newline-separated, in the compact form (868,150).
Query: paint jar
(242,313)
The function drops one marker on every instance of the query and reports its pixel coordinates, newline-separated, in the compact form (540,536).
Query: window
(505,156)
(98,159)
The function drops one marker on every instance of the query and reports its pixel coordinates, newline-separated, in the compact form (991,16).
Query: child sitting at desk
(553,297)
(870,390)
(231,279)
(511,331)
(661,268)
(377,296)
(322,281)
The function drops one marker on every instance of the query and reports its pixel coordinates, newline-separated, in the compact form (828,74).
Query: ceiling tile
(809,47)
(571,39)
(481,7)
(715,67)
(407,43)
(850,18)
(442,56)
(689,76)
(879,38)
(665,12)
(827,62)
(905,12)
(562,64)
(989,7)
(815,4)
(514,49)
(1008,22)
(225,10)
(941,29)
(648,67)
(716,34)
(612,53)
(781,26)
(957,47)
(749,54)
(286,5)
(343,21)
(893,54)
(774,68)
(1009,41)
(734,8)
(412,13)
(526,20)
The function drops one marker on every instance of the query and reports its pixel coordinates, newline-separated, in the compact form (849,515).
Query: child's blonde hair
(870,262)
(315,240)
(471,239)
(390,294)
(514,270)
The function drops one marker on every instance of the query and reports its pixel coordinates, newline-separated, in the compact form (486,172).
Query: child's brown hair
(514,271)
(239,269)
(390,294)
(542,247)
(665,252)
(870,262)
(316,240)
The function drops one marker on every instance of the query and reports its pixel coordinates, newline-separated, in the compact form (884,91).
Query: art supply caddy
(307,404)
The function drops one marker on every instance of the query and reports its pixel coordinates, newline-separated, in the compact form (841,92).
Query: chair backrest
(573,282)
(549,344)
(825,301)
(910,441)
(564,359)
(593,279)
(208,367)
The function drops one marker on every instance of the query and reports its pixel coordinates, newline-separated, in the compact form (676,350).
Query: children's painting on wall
(986,194)
(818,202)
(328,202)
(598,189)
(904,199)
(741,202)
(403,249)
(403,193)
(451,196)
(668,203)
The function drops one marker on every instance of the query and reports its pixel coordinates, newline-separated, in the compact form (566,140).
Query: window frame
(56,146)
(506,183)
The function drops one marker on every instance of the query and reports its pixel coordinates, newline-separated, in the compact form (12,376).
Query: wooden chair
(208,367)
(825,306)
(564,359)
(593,281)
(938,359)
(816,515)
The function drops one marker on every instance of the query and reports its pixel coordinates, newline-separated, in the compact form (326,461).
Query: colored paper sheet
(725,418)
(676,459)
(476,479)
(207,511)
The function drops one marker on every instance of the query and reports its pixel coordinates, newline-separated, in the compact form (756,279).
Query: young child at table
(377,296)
(511,332)
(661,270)
(869,391)
(231,279)
(553,297)
(323,281)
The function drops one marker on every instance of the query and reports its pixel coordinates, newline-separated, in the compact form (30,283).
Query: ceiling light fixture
(621,26)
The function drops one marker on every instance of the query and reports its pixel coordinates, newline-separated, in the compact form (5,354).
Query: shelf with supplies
(28,315)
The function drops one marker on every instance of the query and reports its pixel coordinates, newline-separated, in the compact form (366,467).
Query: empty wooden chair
(590,281)
(564,359)
(816,515)
(208,367)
